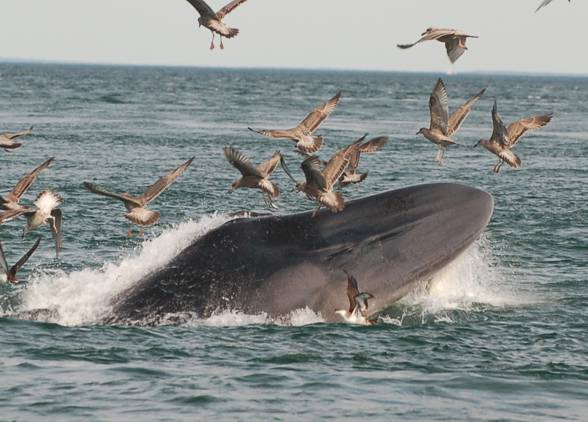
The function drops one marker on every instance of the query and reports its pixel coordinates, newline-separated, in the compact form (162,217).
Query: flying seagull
(350,175)
(45,212)
(454,40)
(503,139)
(443,126)
(11,201)
(137,211)
(306,143)
(256,177)
(214,20)
(358,304)
(320,182)
(545,3)
(12,271)
(7,139)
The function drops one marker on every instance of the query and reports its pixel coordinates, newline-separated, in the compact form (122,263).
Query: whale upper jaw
(276,264)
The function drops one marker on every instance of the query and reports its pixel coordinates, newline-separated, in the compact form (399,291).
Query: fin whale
(276,264)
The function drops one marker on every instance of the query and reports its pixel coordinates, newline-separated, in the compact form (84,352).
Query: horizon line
(22,61)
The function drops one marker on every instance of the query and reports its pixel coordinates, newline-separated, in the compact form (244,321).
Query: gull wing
(267,167)
(459,116)
(373,145)
(429,35)
(439,107)
(499,132)
(3,262)
(276,133)
(16,267)
(25,183)
(56,229)
(164,182)
(229,8)
(202,8)
(454,50)
(337,165)
(241,162)
(352,291)
(14,135)
(313,172)
(9,215)
(319,114)
(126,198)
(517,129)
(543,4)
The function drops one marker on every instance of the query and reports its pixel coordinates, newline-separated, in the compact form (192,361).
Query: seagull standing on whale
(11,272)
(256,177)
(11,201)
(503,139)
(214,20)
(443,126)
(306,143)
(454,40)
(7,139)
(137,211)
(358,304)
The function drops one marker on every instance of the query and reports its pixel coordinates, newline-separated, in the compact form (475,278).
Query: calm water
(501,335)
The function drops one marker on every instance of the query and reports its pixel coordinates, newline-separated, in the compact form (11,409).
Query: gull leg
(142,232)
(221,43)
(497,166)
(212,41)
(439,156)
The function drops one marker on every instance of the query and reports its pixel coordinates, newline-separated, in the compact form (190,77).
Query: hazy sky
(343,34)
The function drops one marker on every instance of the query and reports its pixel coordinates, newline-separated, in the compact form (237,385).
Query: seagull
(7,139)
(320,182)
(350,176)
(302,134)
(46,212)
(256,177)
(545,3)
(503,139)
(11,201)
(12,271)
(358,304)
(137,205)
(214,20)
(454,40)
(442,125)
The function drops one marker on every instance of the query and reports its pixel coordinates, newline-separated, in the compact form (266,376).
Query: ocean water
(500,334)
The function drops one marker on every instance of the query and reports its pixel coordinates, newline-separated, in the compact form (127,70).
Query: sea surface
(502,334)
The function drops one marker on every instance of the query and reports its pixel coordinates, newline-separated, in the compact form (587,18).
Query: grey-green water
(501,335)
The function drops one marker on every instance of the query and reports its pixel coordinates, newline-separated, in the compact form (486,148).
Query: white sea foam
(84,297)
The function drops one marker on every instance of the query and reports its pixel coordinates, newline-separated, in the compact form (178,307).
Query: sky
(332,34)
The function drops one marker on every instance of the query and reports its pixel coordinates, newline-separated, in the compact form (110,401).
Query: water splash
(84,297)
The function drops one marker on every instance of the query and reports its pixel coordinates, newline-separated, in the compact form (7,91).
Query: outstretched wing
(99,190)
(267,167)
(429,35)
(313,172)
(164,182)
(276,134)
(352,291)
(439,107)
(459,116)
(337,165)
(373,145)
(517,129)
(241,162)
(56,229)
(3,263)
(229,8)
(202,7)
(542,5)
(499,132)
(16,267)
(9,215)
(319,114)
(19,134)
(454,49)
(26,182)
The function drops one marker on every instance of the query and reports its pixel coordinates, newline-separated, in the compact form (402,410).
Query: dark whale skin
(276,264)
